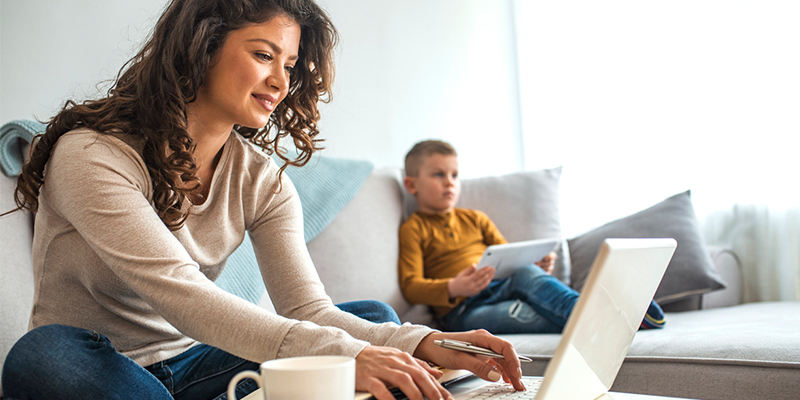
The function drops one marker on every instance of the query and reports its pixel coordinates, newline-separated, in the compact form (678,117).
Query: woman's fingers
(483,367)
(424,383)
(376,387)
(509,365)
(497,366)
(436,373)
(414,378)
(411,378)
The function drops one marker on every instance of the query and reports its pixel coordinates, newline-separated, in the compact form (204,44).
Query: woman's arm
(99,185)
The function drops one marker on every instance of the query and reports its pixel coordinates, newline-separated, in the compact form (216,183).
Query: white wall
(1,58)
(406,71)
(421,69)
(57,50)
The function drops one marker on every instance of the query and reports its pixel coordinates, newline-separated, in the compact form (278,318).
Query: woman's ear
(410,184)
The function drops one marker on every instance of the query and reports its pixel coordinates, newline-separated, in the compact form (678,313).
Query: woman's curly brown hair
(149,97)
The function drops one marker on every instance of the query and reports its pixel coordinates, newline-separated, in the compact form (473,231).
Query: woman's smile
(266,101)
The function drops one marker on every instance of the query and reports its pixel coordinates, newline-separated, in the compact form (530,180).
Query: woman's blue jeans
(530,301)
(63,362)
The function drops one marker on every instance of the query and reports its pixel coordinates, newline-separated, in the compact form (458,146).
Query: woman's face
(249,75)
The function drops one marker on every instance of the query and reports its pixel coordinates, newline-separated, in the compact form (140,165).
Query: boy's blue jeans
(63,362)
(530,301)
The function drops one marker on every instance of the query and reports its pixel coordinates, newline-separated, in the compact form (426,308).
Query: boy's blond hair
(422,150)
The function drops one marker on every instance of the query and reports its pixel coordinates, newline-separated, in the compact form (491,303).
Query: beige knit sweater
(104,261)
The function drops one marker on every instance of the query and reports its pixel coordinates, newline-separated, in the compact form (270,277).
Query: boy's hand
(548,262)
(470,281)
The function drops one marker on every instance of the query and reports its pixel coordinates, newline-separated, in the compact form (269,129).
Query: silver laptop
(615,298)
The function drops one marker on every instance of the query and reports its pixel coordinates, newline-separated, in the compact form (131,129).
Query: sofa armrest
(729,267)
(16,269)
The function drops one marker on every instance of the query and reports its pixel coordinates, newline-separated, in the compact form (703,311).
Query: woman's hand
(377,367)
(490,369)
(548,262)
(470,281)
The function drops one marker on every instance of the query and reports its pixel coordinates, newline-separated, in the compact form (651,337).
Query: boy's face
(437,186)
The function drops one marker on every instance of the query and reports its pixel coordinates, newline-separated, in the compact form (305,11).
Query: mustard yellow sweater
(436,247)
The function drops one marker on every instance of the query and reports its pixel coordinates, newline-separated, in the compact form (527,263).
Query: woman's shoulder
(85,161)
(85,149)
(252,167)
(249,154)
(88,140)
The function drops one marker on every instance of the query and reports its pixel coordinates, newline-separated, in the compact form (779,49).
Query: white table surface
(450,374)
(608,396)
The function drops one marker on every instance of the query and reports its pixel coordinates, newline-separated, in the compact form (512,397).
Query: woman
(142,195)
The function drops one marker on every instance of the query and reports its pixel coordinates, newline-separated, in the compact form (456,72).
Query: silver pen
(471,348)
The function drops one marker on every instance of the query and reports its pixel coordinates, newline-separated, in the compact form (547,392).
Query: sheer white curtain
(767,240)
(639,100)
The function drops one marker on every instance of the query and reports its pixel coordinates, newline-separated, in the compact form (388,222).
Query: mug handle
(235,381)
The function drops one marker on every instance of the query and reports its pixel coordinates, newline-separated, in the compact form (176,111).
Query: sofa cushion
(16,284)
(737,352)
(690,272)
(356,255)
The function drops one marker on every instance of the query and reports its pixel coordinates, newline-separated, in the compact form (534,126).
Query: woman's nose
(279,79)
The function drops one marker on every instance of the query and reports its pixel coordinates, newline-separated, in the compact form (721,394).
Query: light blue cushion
(11,134)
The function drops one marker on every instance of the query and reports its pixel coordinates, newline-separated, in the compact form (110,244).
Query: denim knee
(383,312)
(529,273)
(532,270)
(371,310)
(37,347)
(59,361)
(35,351)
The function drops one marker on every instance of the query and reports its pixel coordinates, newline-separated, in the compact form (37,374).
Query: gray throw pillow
(691,271)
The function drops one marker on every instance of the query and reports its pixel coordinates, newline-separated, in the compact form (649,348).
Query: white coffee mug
(307,378)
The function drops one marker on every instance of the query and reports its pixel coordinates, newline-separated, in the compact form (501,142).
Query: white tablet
(507,258)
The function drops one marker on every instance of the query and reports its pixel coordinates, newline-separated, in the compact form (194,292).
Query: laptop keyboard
(501,390)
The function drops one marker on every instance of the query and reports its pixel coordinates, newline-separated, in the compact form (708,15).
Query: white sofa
(718,350)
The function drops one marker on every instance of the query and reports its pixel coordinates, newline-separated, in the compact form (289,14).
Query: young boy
(440,246)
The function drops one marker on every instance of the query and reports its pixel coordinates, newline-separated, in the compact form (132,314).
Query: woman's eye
(264,56)
(289,68)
